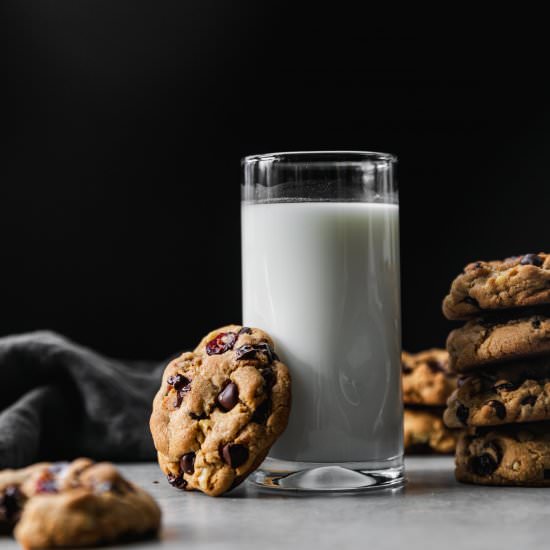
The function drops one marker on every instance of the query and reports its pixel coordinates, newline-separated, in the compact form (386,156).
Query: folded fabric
(59,400)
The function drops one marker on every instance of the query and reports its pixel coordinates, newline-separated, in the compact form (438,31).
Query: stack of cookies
(427,383)
(503,356)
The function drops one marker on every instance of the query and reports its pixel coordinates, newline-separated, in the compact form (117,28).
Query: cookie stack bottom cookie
(427,383)
(502,355)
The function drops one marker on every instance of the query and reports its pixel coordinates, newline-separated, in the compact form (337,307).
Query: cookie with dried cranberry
(219,410)
(514,392)
(424,432)
(515,454)
(11,497)
(426,378)
(516,282)
(74,504)
(490,340)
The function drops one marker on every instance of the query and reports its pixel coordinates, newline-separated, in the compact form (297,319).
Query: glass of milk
(320,267)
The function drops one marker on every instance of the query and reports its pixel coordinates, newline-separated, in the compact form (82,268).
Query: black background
(126,120)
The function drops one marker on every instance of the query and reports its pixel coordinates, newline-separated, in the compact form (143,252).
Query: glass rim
(321,157)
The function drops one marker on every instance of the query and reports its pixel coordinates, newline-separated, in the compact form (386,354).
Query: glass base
(285,475)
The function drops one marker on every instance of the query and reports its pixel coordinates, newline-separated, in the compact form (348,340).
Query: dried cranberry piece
(176,481)
(234,455)
(498,407)
(223,342)
(46,483)
(529,400)
(532,259)
(462,413)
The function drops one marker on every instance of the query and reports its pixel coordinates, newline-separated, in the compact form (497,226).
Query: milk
(322,278)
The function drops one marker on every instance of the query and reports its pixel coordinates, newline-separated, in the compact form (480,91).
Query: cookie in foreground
(516,282)
(515,454)
(424,432)
(219,410)
(426,378)
(75,504)
(514,392)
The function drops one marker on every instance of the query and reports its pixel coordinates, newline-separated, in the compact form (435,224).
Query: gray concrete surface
(431,512)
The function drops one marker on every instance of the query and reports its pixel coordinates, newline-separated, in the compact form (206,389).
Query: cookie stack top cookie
(502,354)
(516,282)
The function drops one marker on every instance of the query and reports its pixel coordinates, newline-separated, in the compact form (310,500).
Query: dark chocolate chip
(249,351)
(177,381)
(221,343)
(471,301)
(498,407)
(245,330)
(234,455)
(435,366)
(483,465)
(529,400)
(187,463)
(268,376)
(201,416)
(532,259)
(228,397)
(11,503)
(462,413)
(405,369)
(176,481)
(536,323)
(505,386)
(261,414)
(477,265)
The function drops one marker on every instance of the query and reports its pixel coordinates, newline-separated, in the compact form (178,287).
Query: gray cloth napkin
(59,400)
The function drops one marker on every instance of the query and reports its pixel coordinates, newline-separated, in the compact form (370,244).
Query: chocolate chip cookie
(491,286)
(502,338)
(80,503)
(426,377)
(219,410)
(424,432)
(11,497)
(516,454)
(515,392)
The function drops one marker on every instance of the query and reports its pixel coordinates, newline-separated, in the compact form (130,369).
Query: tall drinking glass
(320,249)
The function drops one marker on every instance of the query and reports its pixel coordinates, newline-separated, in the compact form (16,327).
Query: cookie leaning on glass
(503,355)
(427,383)
(219,410)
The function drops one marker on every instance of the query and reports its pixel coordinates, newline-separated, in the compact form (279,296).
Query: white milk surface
(322,278)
